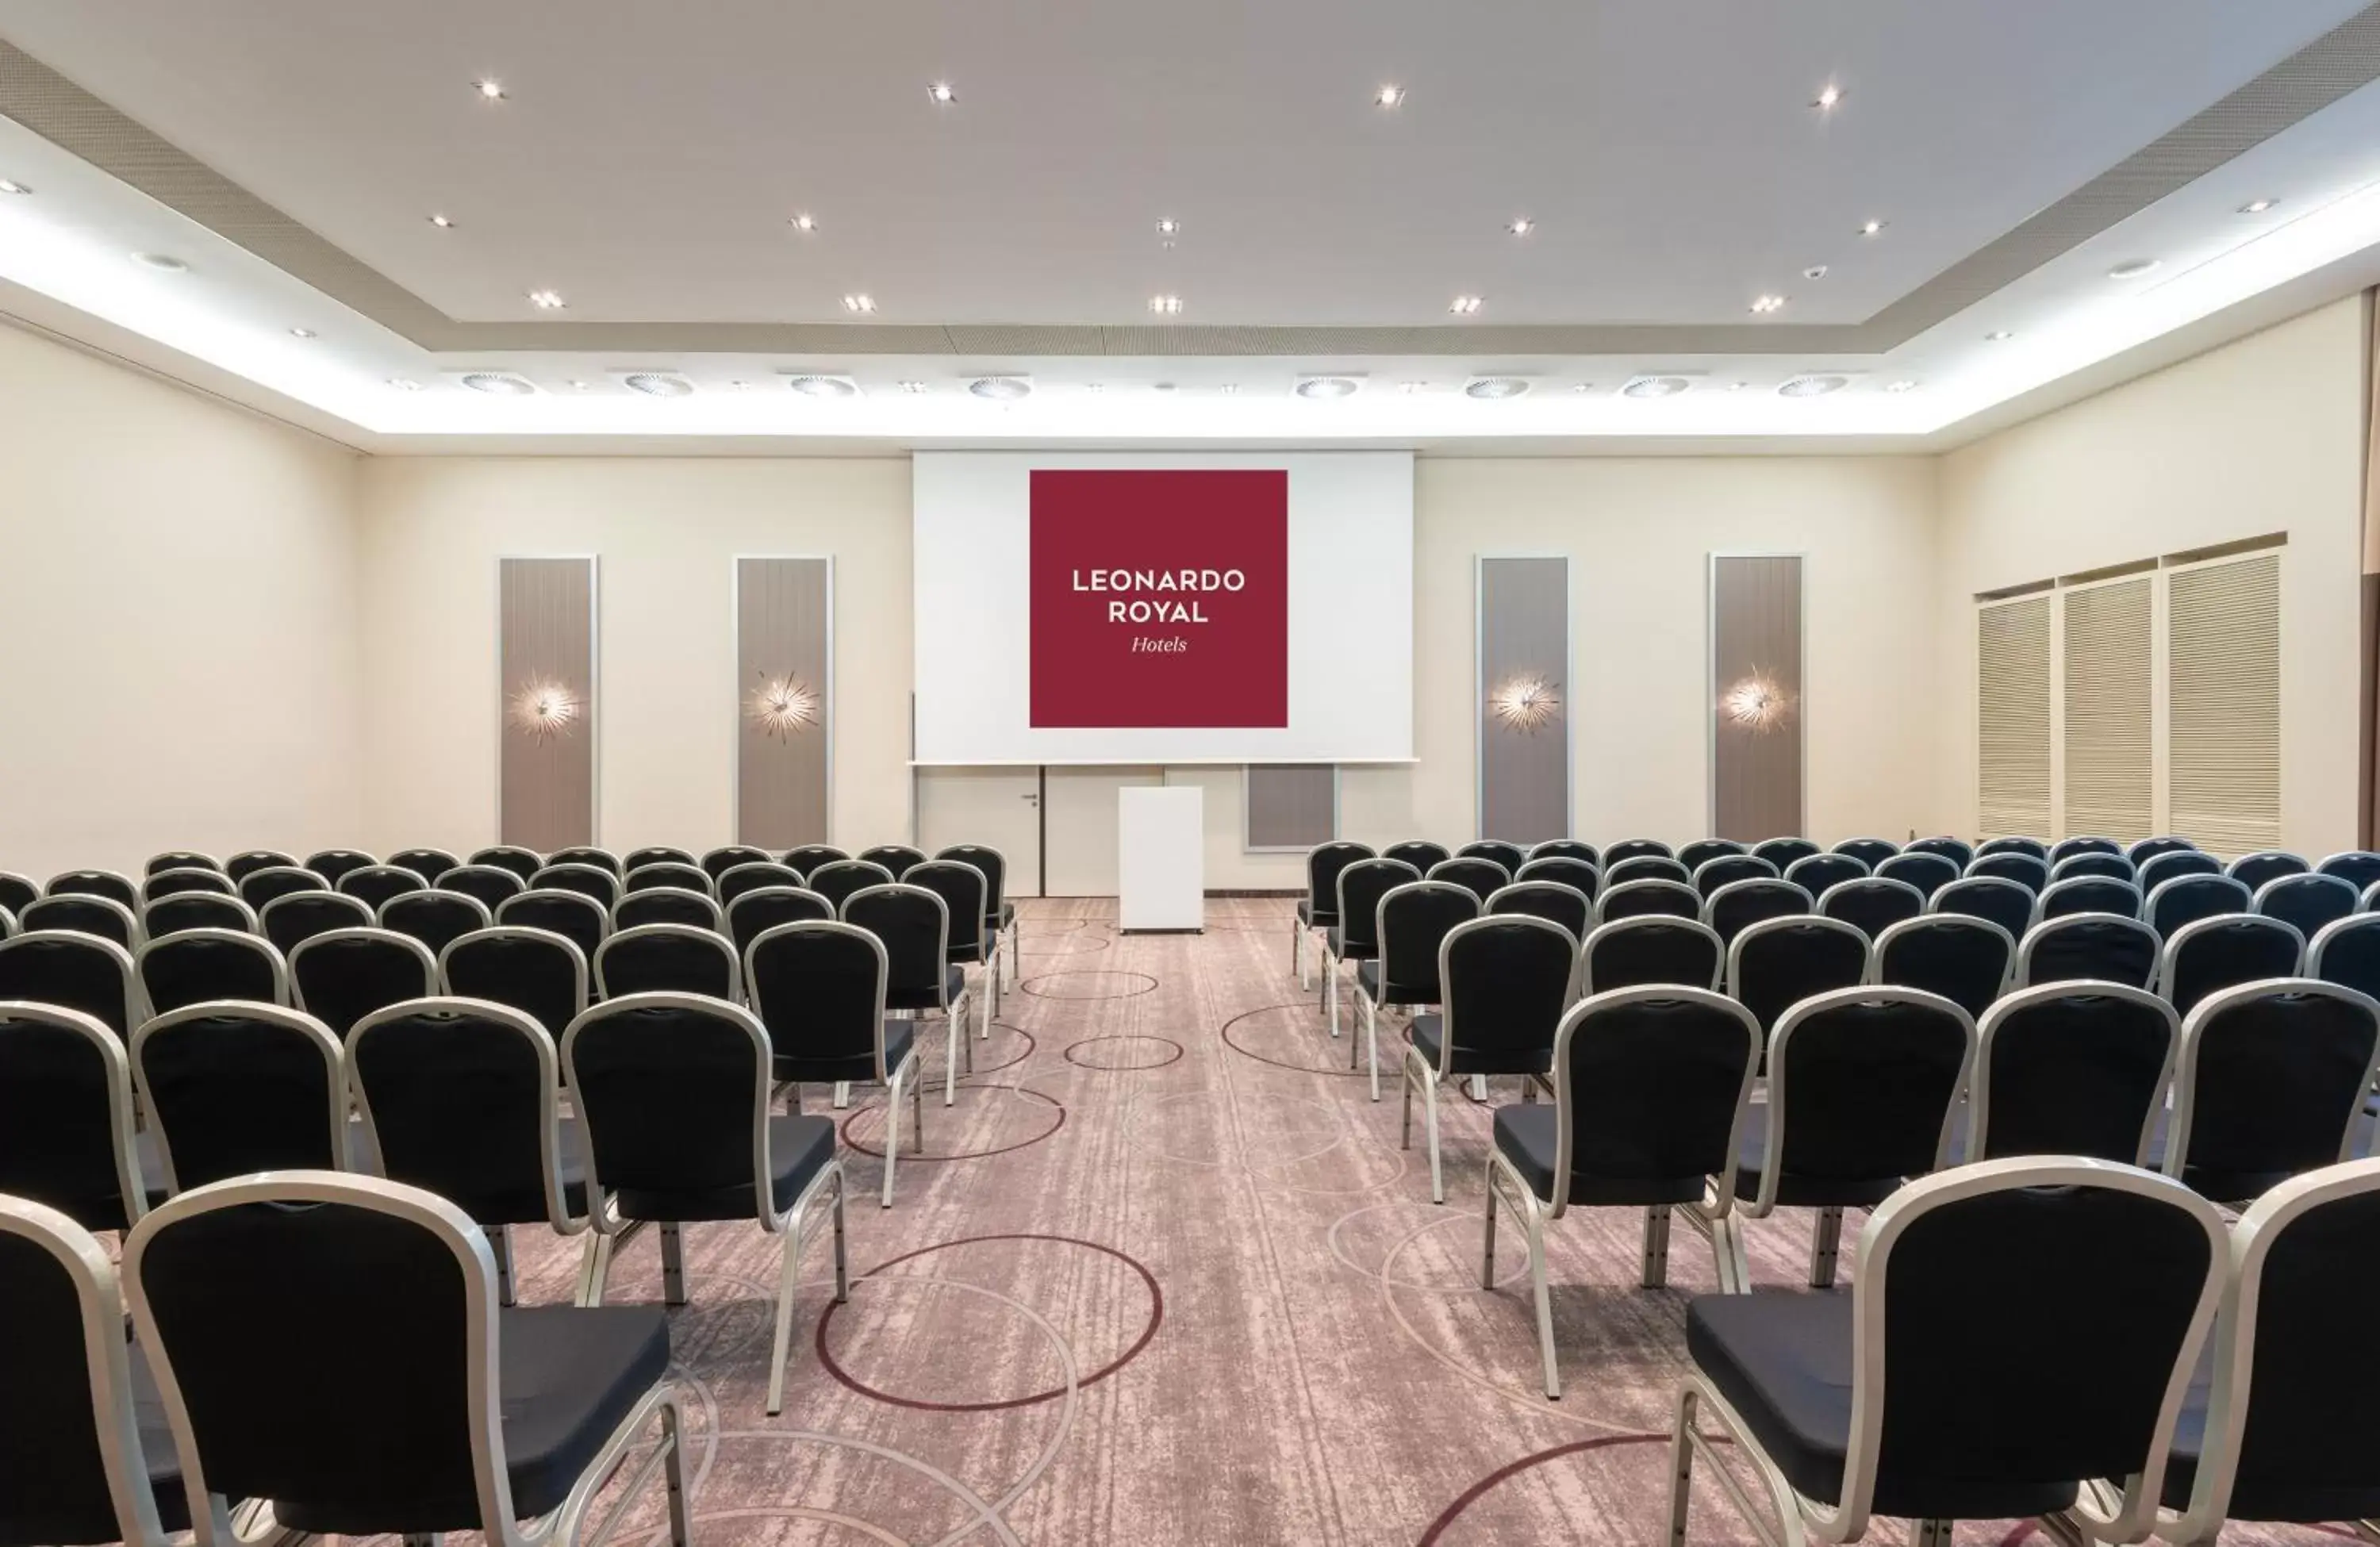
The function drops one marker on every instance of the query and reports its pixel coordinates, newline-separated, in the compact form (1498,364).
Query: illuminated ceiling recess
(327,213)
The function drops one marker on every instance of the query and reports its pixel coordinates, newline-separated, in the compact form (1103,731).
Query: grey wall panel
(1524,700)
(1292,806)
(1756,706)
(784,709)
(546,687)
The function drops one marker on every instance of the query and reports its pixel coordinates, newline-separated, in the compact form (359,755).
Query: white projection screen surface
(1159,608)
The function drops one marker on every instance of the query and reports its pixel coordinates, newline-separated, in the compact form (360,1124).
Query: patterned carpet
(1163,1276)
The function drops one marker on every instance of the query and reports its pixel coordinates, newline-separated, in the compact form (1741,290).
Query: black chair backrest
(1870,852)
(74,972)
(594,882)
(2359,867)
(1511,855)
(670,1090)
(289,921)
(2158,869)
(1872,904)
(84,914)
(333,863)
(1362,885)
(1637,848)
(1966,960)
(718,861)
(2089,893)
(896,858)
(2073,1068)
(2033,847)
(1645,866)
(1957,850)
(752,875)
(810,856)
(260,887)
(1741,903)
(342,977)
(1783,852)
(1863,1083)
(1577,874)
(2272,1080)
(2104,945)
(196,910)
(1506,981)
(2252,870)
(538,972)
(2005,903)
(963,890)
(1543,898)
(1566,848)
(67,1116)
(2025,869)
(2092,862)
(667,958)
(1415,919)
(913,924)
(1924,869)
(1700,852)
(234,1089)
(669,872)
(658,854)
(1651,1086)
(2187,898)
(16,891)
(994,866)
(1651,948)
(1477,874)
(94,884)
(523,862)
(1777,963)
(595,858)
(460,1098)
(1637,899)
(1323,863)
(240,866)
(173,883)
(575,915)
(769,906)
(437,918)
(2223,952)
(668,904)
(2306,903)
(1726,869)
(193,966)
(2149,849)
(820,986)
(838,878)
(2082,844)
(427,863)
(2348,954)
(376,883)
(1819,871)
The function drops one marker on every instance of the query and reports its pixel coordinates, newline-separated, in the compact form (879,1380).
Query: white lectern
(1162,861)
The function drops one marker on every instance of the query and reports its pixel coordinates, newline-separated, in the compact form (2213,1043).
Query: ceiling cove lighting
(9,184)
(2254,206)
(860,302)
(1390,96)
(942,93)
(1002,389)
(1655,386)
(1325,389)
(1465,305)
(823,386)
(1813,386)
(1496,388)
(658,384)
(490,90)
(2133,268)
(501,384)
(547,300)
(1165,306)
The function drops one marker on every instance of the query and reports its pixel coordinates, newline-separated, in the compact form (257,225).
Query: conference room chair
(115,888)
(1733,907)
(588,854)
(196,910)
(1695,855)
(2307,902)
(1816,873)
(575,915)
(895,858)
(522,862)
(245,863)
(1413,921)
(2088,894)
(67,1135)
(1510,856)
(1549,900)
(2214,954)
(667,958)
(1565,848)
(1579,876)
(668,904)
(1505,985)
(2185,899)
(1784,853)
(2359,867)
(2269,1085)
(2031,847)
(2023,869)
(332,864)
(1918,1395)
(963,889)
(192,967)
(1922,869)
(998,912)
(2145,850)
(807,857)
(74,1462)
(821,989)
(462,1097)
(1777,963)
(1650,948)
(1725,869)
(2158,869)
(1650,1088)
(179,860)
(672,1097)
(1636,849)
(837,879)
(427,863)
(342,976)
(84,914)
(538,972)
(437,918)
(2348,952)
(2252,870)
(267,1304)
(168,883)
(752,875)
(260,888)
(2076,1068)
(667,873)
(1477,874)
(718,861)
(1957,850)
(1421,853)
(1871,905)
(1645,866)
(16,891)
(2082,844)
(657,854)
(1863,1088)
(2106,947)
(74,971)
(374,884)
(913,922)
(1965,959)
(2115,867)
(1655,897)
(228,1089)
(594,882)
(1355,936)
(295,918)
(1870,852)
(767,907)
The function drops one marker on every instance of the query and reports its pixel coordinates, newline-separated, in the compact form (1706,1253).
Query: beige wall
(178,583)
(2262,435)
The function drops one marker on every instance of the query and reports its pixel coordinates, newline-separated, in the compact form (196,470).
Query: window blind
(2224,706)
(2012,698)
(2106,709)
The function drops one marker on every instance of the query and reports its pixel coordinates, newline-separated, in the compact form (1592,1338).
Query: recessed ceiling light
(1095,386)
(1161,386)
(1655,386)
(824,386)
(2133,268)
(658,384)
(1168,227)
(404,383)
(1999,335)
(804,224)
(9,184)
(1409,388)
(1871,229)
(502,384)
(1495,388)
(1813,386)
(1582,387)
(1230,389)
(1464,306)
(1737,387)
(547,300)
(1323,389)
(302,333)
(490,90)
(1521,226)
(441,222)
(913,388)
(1764,304)
(860,302)
(163,262)
(1903,385)
(940,94)
(1165,306)
(1002,389)
(1816,271)
(580,386)
(1829,96)
(1388,96)
(2254,206)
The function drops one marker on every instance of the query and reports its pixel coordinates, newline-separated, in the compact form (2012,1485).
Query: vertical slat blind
(2106,709)
(2224,714)
(2012,698)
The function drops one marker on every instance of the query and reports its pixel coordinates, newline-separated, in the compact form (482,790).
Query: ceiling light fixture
(404,383)
(804,224)
(2254,206)
(1655,386)
(2133,268)
(823,386)
(490,90)
(1737,387)
(1409,388)
(163,262)
(1325,389)
(501,384)
(1168,227)
(1765,304)
(1496,388)
(861,302)
(1582,387)
(1816,271)
(547,300)
(1002,389)
(1904,384)
(1388,96)
(302,333)
(658,384)
(1813,386)
(942,95)
(1165,306)
(580,386)
(1999,335)
(1829,96)
(9,184)
(1871,229)
(1521,226)
(1464,306)
(913,388)
(441,222)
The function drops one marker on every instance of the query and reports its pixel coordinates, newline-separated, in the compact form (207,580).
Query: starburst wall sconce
(782,705)
(1526,704)
(1757,702)
(543,710)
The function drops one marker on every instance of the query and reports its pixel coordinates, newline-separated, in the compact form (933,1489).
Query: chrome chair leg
(790,1261)
(1825,1244)
(1488,1235)
(1429,1129)
(1657,1247)
(672,1266)
(891,1135)
(594,1268)
(500,1247)
(842,1094)
(1535,1219)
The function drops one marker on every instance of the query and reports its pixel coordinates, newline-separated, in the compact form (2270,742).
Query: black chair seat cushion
(1795,1191)
(1429,1031)
(1367,982)
(522,1200)
(898,1036)
(953,984)
(799,1147)
(1349,951)
(1526,1135)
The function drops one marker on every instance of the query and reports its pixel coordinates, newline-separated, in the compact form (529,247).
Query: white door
(996,807)
(1082,827)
